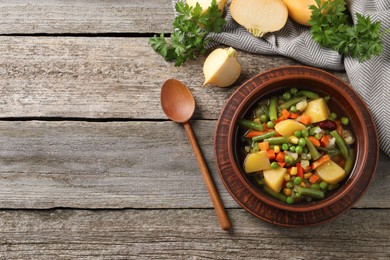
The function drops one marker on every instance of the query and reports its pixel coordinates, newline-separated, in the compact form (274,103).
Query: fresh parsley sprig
(190,29)
(331,27)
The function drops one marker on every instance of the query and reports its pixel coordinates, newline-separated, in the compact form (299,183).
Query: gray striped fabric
(370,79)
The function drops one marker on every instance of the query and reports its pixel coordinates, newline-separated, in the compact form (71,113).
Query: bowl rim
(254,94)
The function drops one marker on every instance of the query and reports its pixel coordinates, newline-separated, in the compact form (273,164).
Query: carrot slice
(320,161)
(325,140)
(279,157)
(254,133)
(281,164)
(300,170)
(271,154)
(285,113)
(314,141)
(305,119)
(314,178)
(264,146)
(293,115)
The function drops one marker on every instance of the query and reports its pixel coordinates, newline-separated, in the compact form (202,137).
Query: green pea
(344,120)
(289,185)
(298,149)
(286,95)
(323,185)
(297,134)
(318,136)
(285,147)
(333,116)
(288,159)
(292,149)
(293,109)
(301,142)
(290,200)
(293,90)
(274,165)
(305,133)
(270,124)
(297,180)
(263,118)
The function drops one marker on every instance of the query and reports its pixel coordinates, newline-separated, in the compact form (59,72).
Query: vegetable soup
(295,146)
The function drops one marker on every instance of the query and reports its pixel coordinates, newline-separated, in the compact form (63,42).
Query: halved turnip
(260,16)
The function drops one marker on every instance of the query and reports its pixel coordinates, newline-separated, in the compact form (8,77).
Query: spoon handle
(215,198)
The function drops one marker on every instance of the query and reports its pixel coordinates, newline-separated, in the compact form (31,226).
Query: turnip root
(299,11)
(206,4)
(221,67)
(259,16)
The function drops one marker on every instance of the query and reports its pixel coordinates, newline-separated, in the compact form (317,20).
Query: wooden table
(91,168)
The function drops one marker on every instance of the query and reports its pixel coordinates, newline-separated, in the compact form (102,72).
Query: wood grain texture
(118,165)
(93,16)
(103,78)
(186,234)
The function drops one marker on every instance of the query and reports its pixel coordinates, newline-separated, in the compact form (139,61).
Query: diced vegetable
(317,110)
(257,161)
(274,178)
(331,172)
(288,127)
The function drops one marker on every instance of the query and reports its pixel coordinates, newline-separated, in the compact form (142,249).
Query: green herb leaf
(331,27)
(190,29)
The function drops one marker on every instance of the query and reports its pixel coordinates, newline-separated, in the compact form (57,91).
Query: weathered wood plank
(117,165)
(53,17)
(187,234)
(103,78)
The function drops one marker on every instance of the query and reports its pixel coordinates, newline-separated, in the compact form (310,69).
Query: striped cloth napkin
(370,79)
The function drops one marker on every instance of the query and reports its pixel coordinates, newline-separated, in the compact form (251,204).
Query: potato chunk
(317,110)
(330,172)
(255,162)
(274,178)
(288,127)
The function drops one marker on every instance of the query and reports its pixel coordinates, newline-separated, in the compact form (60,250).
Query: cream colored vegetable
(330,172)
(299,11)
(221,67)
(288,127)
(259,16)
(255,162)
(274,178)
(317,110)
(206,4)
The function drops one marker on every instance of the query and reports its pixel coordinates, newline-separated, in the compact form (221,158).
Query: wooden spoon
(179,105)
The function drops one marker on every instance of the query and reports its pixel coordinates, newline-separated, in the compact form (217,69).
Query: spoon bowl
(177,101)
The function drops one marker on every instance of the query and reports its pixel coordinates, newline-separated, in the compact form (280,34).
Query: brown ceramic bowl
(344,100)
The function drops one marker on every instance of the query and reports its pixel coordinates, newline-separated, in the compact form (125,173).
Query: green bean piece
(291,102)
(274,194)
(265,109)
(251,124)
(263,136)
(308,94)
(276,140)
(273,113)
(312,193)
(315,155)
(258,112)
(340,143)
(331,152)
(349,162)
